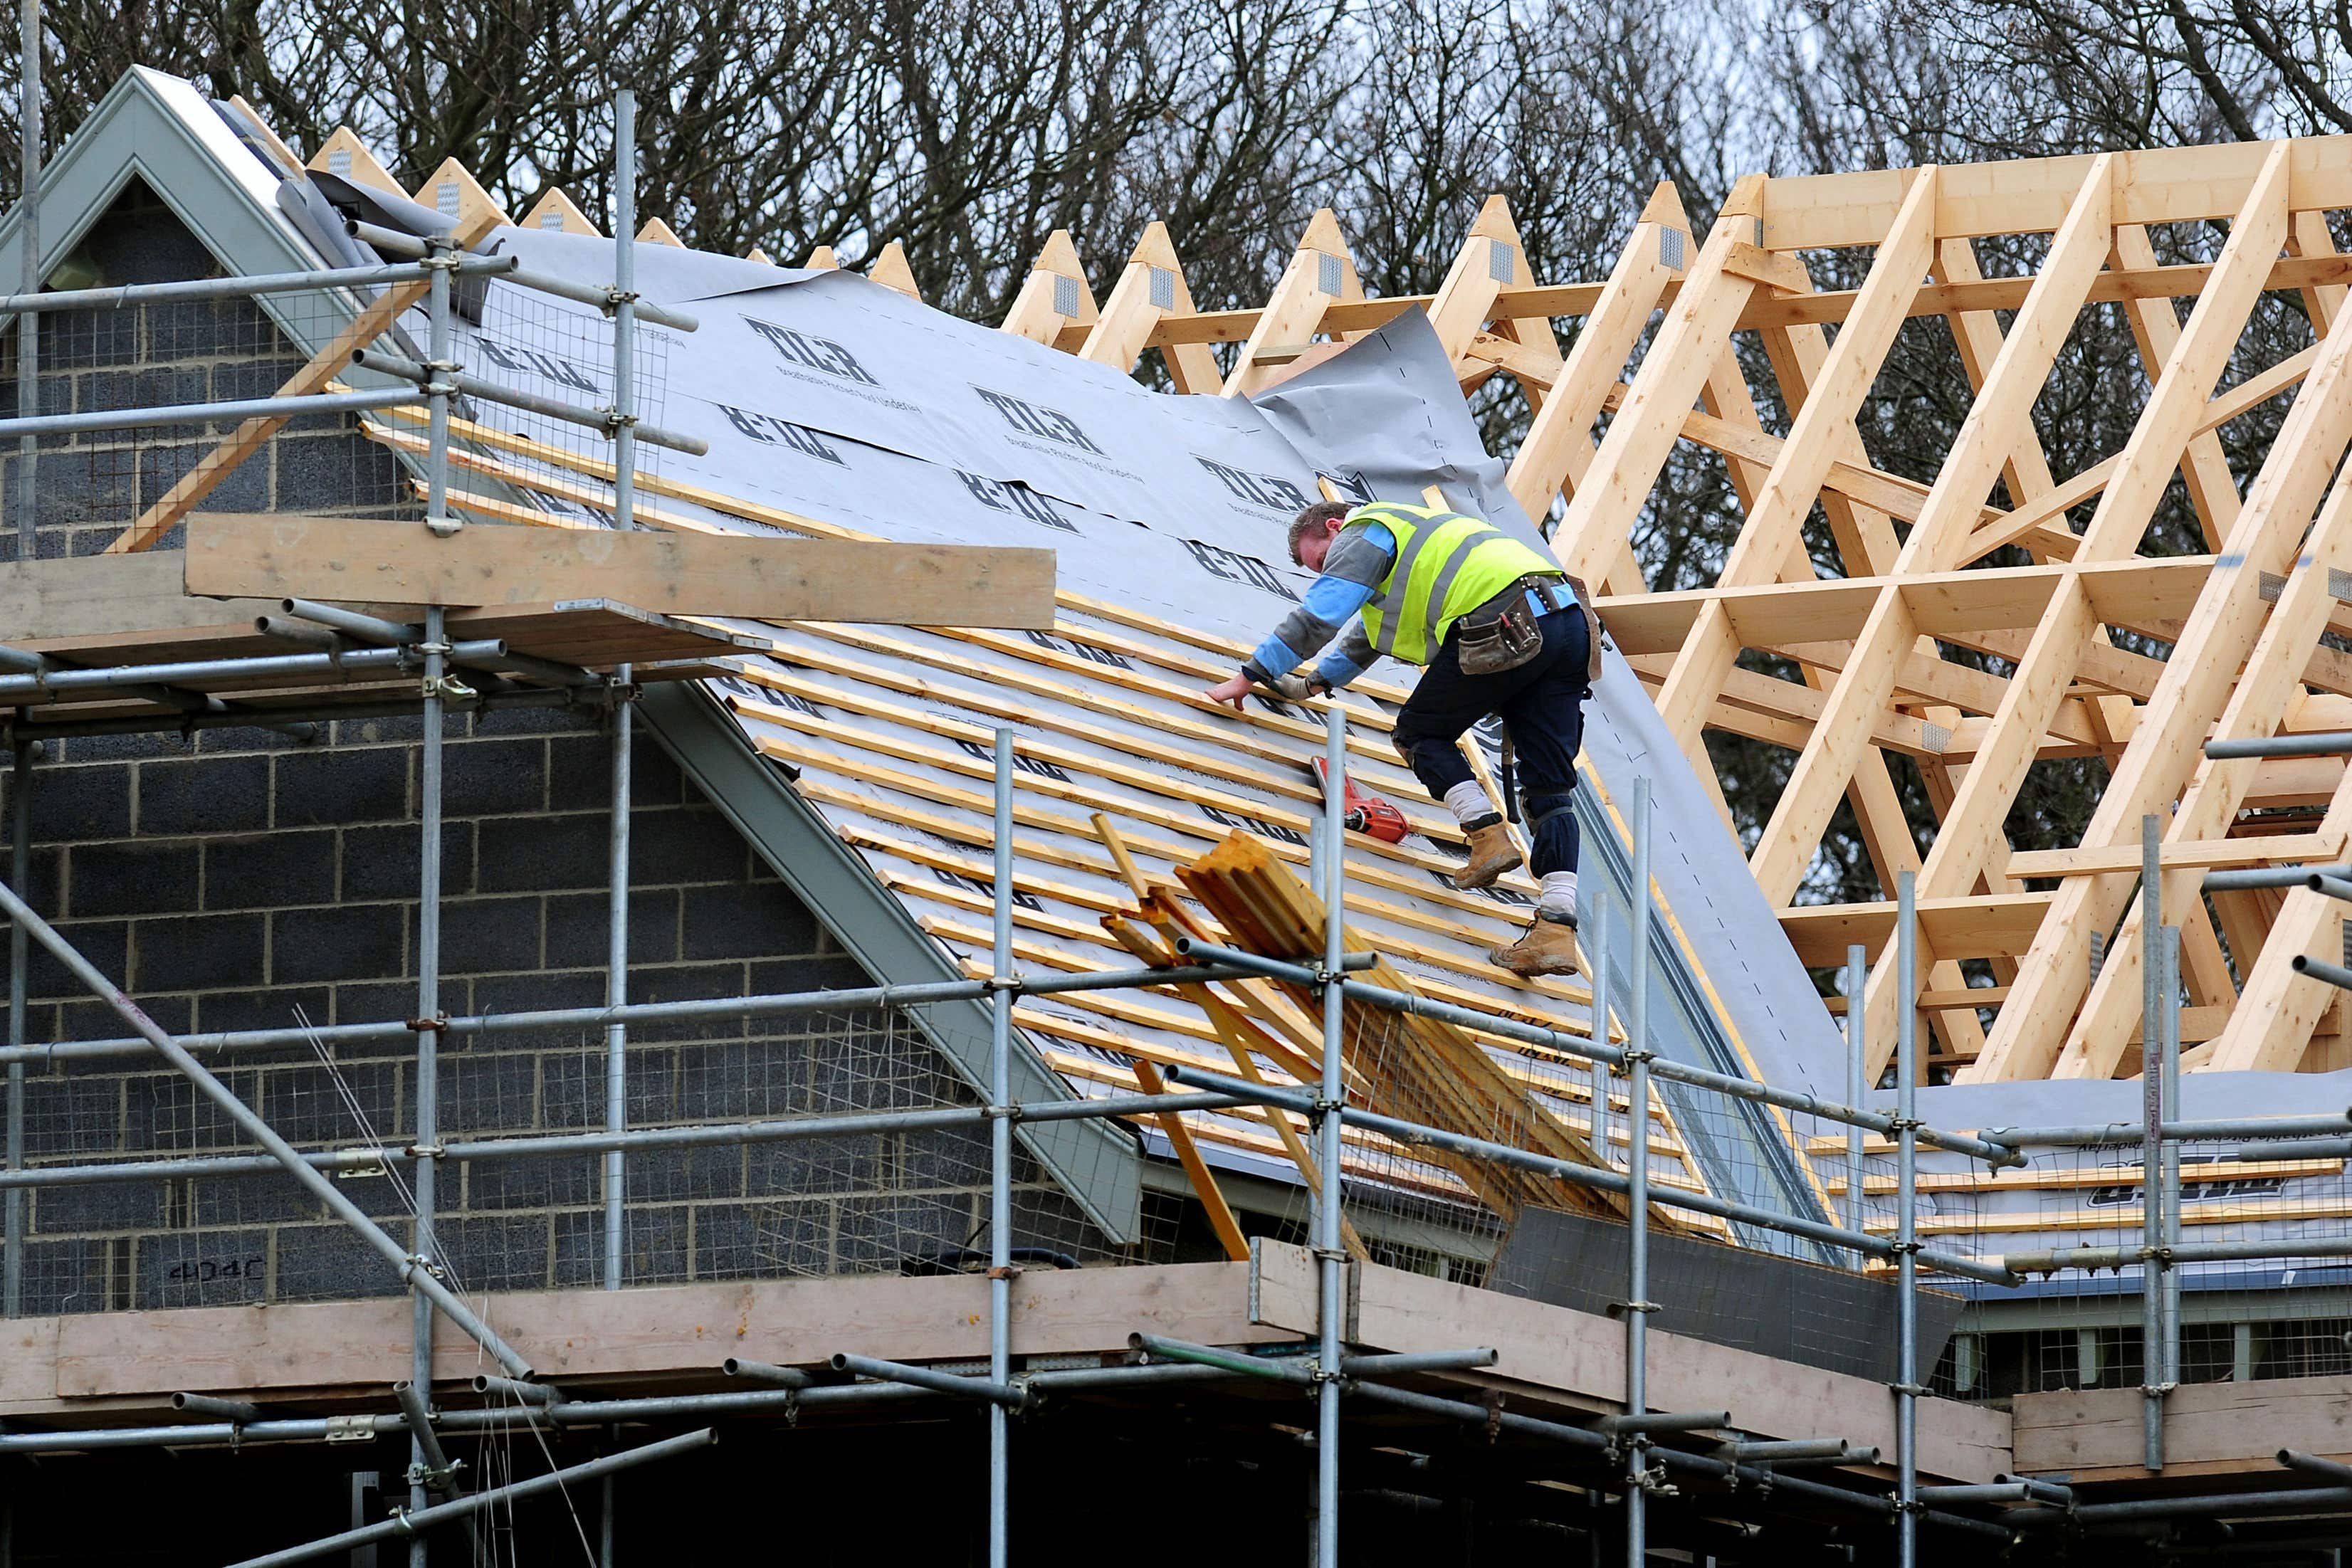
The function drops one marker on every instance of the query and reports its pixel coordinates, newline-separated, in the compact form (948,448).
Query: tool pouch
(1491,647)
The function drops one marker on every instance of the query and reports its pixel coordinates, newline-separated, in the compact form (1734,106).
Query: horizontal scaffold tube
(390,364)
(1290,1367)
(2248,879)
(1703,1465)
(1992,1153)
(921,993)
(244,718)
(234,410)
(781,1401)
(115,298)
(948,1382)
(571,1413)
(2177,1132)
(2335,743)
(198,671)
(2240,1505)
(362,1161)
(2049,1260)
(1411,1133)
(2335,975)
(604,298)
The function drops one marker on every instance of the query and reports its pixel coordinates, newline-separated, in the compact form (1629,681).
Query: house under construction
(623,901)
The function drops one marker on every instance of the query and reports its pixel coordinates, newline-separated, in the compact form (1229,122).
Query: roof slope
(826,397)
(836,406)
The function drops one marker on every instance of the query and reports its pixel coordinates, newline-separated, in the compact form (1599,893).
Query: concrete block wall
(239,880)
(91,485)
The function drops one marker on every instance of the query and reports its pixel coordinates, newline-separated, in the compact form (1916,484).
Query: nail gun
(1365,813)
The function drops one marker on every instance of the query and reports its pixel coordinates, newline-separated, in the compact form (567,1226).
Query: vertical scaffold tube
(616,943)
(1906,1223)
(1593,924)
(20,874)
(1000,1167)
(1637,1191)
(2151,1164)
(1857,1052)
(1330,1259)
(624,308)
(428,1015)
(28,240)
(441,372)
(616,952)
(2171,1152)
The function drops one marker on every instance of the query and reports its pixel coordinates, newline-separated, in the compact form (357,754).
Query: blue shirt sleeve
(1338,666)
(1331,601)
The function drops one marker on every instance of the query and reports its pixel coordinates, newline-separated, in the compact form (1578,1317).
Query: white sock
(1467,801)
(1558,894)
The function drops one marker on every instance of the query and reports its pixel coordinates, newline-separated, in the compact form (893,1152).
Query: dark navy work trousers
(1541,704)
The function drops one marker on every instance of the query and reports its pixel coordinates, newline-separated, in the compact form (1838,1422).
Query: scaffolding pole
(1906,1223)
(1638,1306)
(622,713)
(2153,1008)
(1000,1160)
(1594,922)
(247,286)
(34,273)
(2171,1152)
(616,943)
(1330,1107)
(424,1264)
(365,1160)
(20,874)
(770,1004)
(441,372)
(1857,1054)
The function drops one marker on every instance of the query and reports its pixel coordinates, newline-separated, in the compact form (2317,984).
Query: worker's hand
(1298,688)
(1233,690)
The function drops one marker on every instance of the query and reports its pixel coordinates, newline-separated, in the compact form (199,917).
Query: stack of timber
(1411,1067)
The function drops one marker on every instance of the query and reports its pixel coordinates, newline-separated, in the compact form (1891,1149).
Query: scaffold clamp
(435,1477)
(351,1429)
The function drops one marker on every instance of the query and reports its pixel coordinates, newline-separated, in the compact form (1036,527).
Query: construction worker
(1500,629)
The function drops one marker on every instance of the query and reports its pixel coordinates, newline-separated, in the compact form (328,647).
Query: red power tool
(1365,813)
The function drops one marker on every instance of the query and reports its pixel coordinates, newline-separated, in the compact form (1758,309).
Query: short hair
(1312,519)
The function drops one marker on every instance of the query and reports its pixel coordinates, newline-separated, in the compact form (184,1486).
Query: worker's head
(1312,530)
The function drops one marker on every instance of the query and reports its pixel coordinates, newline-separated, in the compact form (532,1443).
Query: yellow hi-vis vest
(1446,565)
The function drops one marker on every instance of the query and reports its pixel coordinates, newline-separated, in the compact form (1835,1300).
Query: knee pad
(1542,809)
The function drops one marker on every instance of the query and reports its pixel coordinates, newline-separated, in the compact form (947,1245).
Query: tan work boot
(1548,948)
(1491,854)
